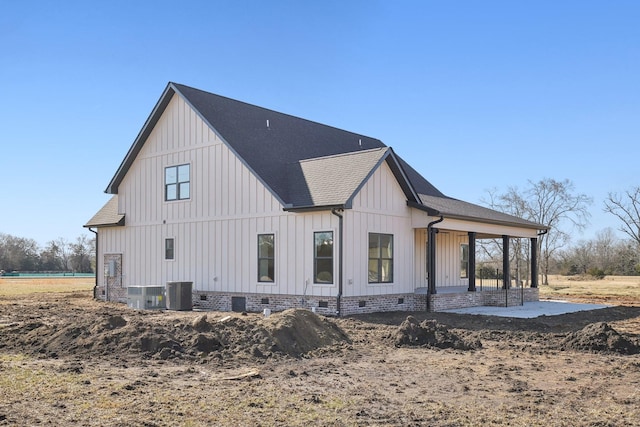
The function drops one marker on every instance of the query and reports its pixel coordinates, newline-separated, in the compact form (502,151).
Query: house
(260,209)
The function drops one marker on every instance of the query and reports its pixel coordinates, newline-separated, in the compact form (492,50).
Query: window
(176,183)
(323,257)
(464,261)
(169,249)
(380,258)
(266,258)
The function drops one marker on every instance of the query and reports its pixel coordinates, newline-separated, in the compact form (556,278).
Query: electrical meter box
(146,297)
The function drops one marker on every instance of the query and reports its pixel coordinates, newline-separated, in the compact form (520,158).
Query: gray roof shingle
(454,208)
(267,150)
(304,163)
(331,180)
(107,216)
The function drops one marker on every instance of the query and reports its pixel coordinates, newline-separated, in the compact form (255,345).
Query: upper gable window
(177,183)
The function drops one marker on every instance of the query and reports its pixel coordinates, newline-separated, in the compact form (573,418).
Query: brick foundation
(349,305)
(322,305)
(496,298)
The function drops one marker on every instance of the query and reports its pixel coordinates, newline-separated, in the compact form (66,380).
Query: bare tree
(81,254)
(551,203)
(627,209)
(50,259)
(579,258)
(63,252)
(605,247)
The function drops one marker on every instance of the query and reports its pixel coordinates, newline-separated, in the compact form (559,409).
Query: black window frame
(169,250)
(178,184)
(323,259)
(270,260)
(380,259)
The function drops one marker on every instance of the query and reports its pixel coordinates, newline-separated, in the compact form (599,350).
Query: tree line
(59,255)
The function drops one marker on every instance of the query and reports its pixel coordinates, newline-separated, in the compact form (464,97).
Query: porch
(449,276)
(454,297)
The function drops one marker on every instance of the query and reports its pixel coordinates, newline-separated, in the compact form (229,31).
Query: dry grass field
(14,286)
(624,289)
(66,359)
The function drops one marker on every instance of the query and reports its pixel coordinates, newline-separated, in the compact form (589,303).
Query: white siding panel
(448,258)
(380,207)
(216,230)
(223,190)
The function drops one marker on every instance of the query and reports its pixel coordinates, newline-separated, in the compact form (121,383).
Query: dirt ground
(68,360)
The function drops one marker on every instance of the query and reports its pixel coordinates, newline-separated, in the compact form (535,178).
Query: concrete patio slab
(530,310)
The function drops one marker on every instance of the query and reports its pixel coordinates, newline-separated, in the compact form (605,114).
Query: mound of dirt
(599,337)
(430,333)
(296,332)
(130,334)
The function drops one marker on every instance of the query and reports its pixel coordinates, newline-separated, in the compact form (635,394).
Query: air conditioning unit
(179,296)
(146,297)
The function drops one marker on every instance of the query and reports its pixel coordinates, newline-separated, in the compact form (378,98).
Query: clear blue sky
(475,94)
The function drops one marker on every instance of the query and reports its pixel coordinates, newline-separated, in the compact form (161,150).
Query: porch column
(506,276)
(472,261)
(534,262)
(432,260)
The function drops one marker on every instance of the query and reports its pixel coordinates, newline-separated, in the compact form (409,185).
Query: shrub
(596,273)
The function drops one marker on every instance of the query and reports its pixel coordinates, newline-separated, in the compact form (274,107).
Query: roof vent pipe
(268,124)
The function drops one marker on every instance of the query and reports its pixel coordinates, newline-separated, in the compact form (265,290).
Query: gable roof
(304,164)
(331,180)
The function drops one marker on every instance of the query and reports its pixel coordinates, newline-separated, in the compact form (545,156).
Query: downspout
(95,287)
(337,213)
(431,256)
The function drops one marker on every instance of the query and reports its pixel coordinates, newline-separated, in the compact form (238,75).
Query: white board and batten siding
(216,229)
(447,258)
(379,207)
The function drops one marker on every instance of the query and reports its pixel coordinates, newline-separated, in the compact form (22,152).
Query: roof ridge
(349,153)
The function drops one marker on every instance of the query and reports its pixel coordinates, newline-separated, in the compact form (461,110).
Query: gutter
(493,221)
(95,287)
(338,212)
(313,208)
